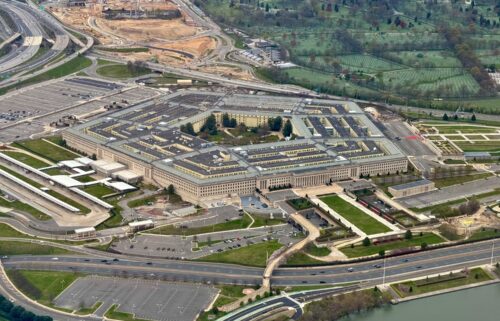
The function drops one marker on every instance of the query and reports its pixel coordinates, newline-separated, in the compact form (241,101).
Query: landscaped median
(355,216)
(251,255)
(441,282)
(361,250)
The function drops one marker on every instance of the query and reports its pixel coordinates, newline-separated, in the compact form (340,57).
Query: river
(477,304)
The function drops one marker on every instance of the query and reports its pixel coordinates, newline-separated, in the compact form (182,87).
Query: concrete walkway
(274,262)
(382,196)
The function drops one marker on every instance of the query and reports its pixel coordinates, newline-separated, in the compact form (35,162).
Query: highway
(396,268)
(31,31)
(362,274)
(30,19)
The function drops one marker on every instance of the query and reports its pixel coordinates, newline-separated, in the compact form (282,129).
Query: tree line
(14,312)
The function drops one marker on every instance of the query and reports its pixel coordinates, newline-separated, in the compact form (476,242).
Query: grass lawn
(99,190)
(27,159)
(46,150)
(83,209)
(229,293)
(240,223)
(484,234)
(65,69)
(112,313)
(84,179)
(265,221)
(252,255)
(312,249)
(19,248)
(43,286)
(417,240)
(354,215)
(90,310)
(443,182)
(483,146)
(21,176)
(300,258)
(440,283)
(26,208)
(300,204)
(7,231)
(120,71)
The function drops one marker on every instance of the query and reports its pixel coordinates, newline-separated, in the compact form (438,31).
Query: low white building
(127,176)
(85,232)
(141,225)
(107,168)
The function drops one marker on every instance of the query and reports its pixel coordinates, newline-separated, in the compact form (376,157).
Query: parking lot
(145,299)
(179,247)
(451,193)
(40,105)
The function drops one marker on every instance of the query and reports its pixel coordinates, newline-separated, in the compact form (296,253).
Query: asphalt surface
(450,193)
(146,299)
(422,263)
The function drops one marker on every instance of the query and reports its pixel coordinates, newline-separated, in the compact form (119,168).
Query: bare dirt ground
(148,30)
(228,71)
(173,34)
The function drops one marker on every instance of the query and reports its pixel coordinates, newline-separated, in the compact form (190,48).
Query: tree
(473,118)
(210,125)
(366,241)
(170,189)
(381,253)
(445,117)
(288,129)
(275,124)
(423,246)
(188,129)
(408,235)
(225,120)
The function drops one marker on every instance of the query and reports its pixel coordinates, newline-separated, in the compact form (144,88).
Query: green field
(240,223)
(22,177)
(27,159)
(252,255)
(65,69)
(448,181)
(112,313)
(464,129)
(43,286)
(46,150)
(23,207)
(300,258)
(368,52)
(99,190)
(19,248)
(417,240)
(483,146)
(312,249)
(443,282)
(70,201)
(120,71)
(229,293)
(7,231)
(354,215)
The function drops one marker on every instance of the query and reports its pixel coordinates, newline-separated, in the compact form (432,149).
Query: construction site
(156,31)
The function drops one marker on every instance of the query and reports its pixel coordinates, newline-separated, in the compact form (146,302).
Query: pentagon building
(332,141)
